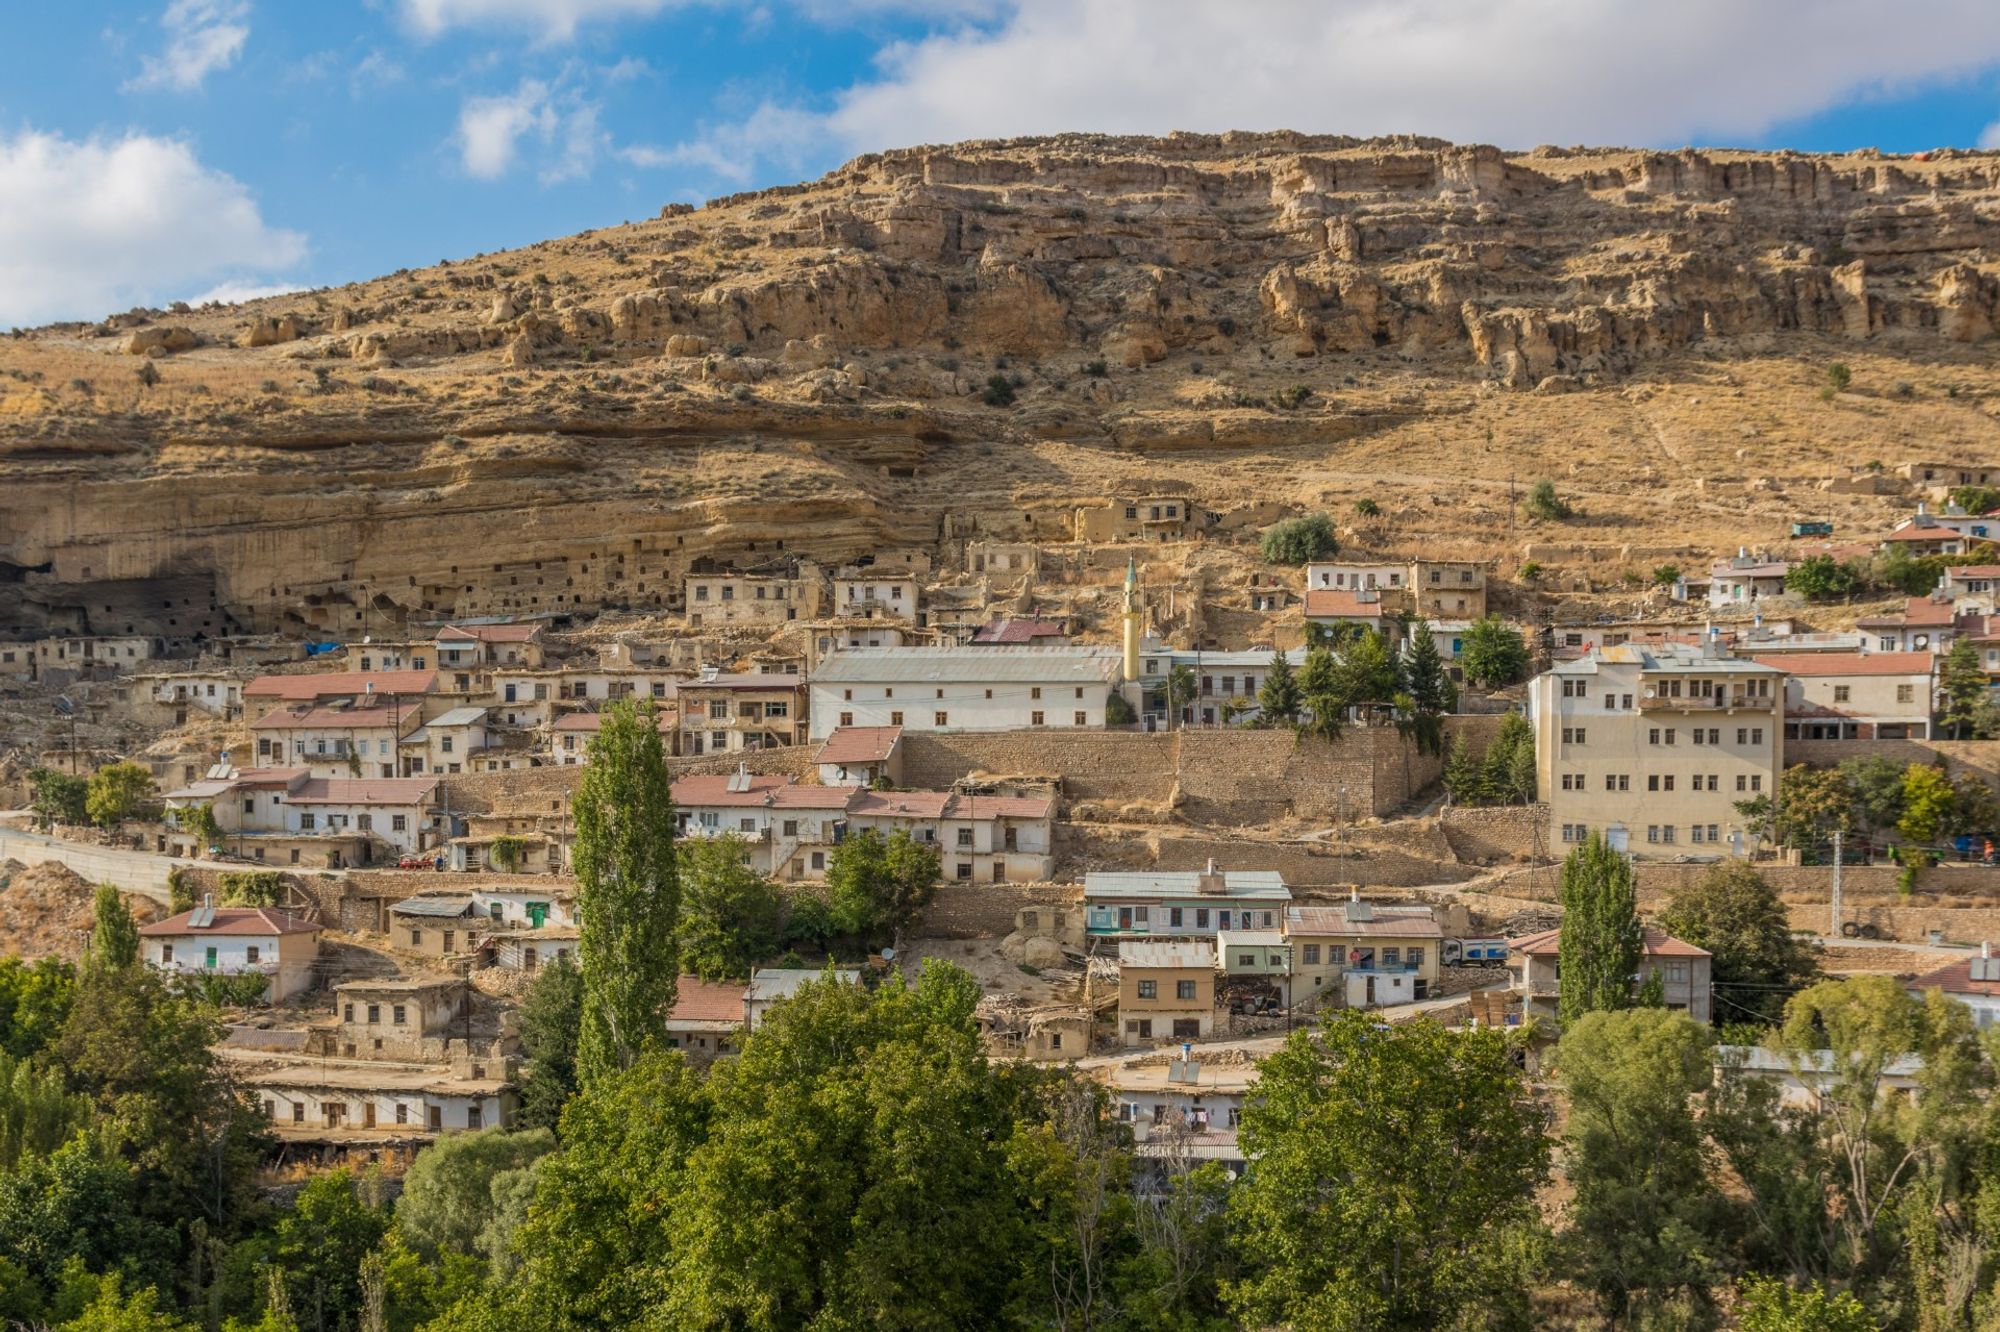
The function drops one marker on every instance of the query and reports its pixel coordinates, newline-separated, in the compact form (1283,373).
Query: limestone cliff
(945,341)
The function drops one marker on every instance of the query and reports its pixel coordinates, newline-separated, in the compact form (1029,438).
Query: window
(965,837)
(251,954)
(941,719)
(1677,971)
(1174,916)
(1652,781)
(1742,782)
(1841,693)
(963,870)
(1906,693)
(444,744)
(399,1014)
(1312,955)
(1149,989)
(298,1112)
(1035,692)
(1652,832)
(399,822)
(1666,832)
(1698,733)
(1184,989)
(374,1013)
(306,822)
(1756,735)
(166,955)
(791,827)
(1742,735)
(1081,718)
(1653,735)
(895,719)
(402,1113)
(1392,957)
(1756,783)
(1670,735)
(1034,719)
(364,822)
(1415,957)
(847,719)
(1201,918)
(1667,782)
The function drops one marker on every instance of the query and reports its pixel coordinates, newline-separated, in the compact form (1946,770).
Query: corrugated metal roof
(1198,953)
(432,906)
(982,665)
(458,717)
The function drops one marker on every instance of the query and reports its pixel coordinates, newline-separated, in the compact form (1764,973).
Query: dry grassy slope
(803,365)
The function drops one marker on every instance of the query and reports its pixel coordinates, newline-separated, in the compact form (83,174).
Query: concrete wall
(133,871)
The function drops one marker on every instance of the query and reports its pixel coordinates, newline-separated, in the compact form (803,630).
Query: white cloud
(1512,72)
(373,71)
(202,37)
(559,123)
(1990,136)
(553,20)
(769,135)
(96,226)
(237,291)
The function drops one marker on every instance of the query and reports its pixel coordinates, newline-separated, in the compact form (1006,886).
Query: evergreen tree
(1961,689)
(1462,777)
(551,1021)
(114,935)
(1601,940)
(1278,696)
(1507,769)
(1319,690)
(1368,669)
(628,891)
(1424,672)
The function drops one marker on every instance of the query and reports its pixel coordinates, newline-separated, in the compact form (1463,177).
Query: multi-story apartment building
(961,689)
(1653,746)
(1449,589)
(714,600)
(1856,695)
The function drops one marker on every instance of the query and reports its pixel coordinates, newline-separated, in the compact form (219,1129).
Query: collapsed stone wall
(1490,835)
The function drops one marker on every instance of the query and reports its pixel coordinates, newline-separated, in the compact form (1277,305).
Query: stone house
(1856,695)
(766,600)
(436,925)
(979,838)
(708,1017)
(234,941)
(788,830)
(1166,990)
(336,740)
(1684,971)
(728,714)
(570,735)
(413,1019)
(479,647)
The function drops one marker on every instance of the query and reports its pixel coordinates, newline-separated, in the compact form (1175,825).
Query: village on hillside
(1160,830)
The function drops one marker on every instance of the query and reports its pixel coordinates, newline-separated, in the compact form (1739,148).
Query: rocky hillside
(933,344)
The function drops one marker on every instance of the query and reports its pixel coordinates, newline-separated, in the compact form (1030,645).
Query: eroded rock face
(850,317)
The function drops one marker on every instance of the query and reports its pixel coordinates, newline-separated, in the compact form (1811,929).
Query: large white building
(964,689)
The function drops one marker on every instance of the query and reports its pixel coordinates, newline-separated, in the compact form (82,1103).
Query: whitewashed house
(964,689)
(234,941)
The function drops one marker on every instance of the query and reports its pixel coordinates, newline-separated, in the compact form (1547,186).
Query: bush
(147,374)
(1096,369)
(1368,508)
(1531,572)
(999,392)
(1838,377)
(1117,711)
(1543,502)
(1976,499)
(1300,540)
(1666,575)
(1292,397)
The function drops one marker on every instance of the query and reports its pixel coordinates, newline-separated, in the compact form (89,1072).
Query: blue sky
(172,149)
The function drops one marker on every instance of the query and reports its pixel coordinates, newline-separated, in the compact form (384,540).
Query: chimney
(1985,949)
(1211,882)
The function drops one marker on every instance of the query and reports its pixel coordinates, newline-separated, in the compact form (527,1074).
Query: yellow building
(1166,990)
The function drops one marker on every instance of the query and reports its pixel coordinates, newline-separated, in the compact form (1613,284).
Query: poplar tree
(1279,694)
(628,892)
(1601,940)
(114,936)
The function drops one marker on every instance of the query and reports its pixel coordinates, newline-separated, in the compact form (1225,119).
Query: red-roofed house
(233,941)
(339,740)
(1856,695)
(788,830)
(570,734)
(1973,981)
(729,713)
(1336,606)
(285,815)
(1971,580)
(708,1016)
(861,756)
(1683,971)
(979,838)
(382,685)
(1922,625)
(1921,538)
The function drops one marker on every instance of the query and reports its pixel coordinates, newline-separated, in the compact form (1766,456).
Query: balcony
(1721,702)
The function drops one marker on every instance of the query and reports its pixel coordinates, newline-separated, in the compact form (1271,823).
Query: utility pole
(1834,928)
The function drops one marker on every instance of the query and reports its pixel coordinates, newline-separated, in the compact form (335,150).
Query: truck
(1483,952)
(1812,527)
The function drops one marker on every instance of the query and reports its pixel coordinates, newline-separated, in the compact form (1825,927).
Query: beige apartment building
(1449,589)
(1856,695)
(1652,746)
(1166,990)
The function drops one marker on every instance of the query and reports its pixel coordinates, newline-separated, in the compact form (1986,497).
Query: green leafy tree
(1912,575)
(319,1245)
(1769,1305)
(507,853)
(453,1192)
(1493,653)
(1181,690)
(551,1023)
(1279,695)
(1928,804)
(1601,941)
(115,1310)
(1646,1222)
(1300,540)
(1543,502)
(38,1113)
(35,999)
(731,916)
(1319,688)
(628,890)
(1876,787)
(1823,578)
(1973,808)
(1367,508)
(57,797)
(1809,805)
(1961,690)
(1355,1124)
(117,792)
(1666,575)
(114,935)
(879,885)
(198,821)
(1424,674)
(1756,959)
(1975,499)
(1368,669)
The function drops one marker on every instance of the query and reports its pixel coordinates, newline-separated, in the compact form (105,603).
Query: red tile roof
(1024,630)
(697,1000)
(232,920)
(764,791)
(1849,663)
(1926,534)
(305,688)
(1658,944)
(1917,613)
(1955,978)
(1973,571)
(859,744)
(1340,602)
(337,719)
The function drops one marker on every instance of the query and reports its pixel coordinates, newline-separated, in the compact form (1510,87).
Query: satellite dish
(64,706)
(888,955)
